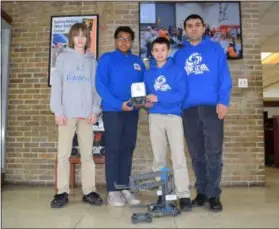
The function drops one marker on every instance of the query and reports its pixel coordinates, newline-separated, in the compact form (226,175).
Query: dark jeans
(204,134)
(120,142)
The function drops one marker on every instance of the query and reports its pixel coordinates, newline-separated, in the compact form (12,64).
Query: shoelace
(129,195)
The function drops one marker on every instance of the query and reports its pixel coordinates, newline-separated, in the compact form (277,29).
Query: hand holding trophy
(138,95)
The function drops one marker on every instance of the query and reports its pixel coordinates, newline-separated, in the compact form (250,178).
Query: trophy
(138,94)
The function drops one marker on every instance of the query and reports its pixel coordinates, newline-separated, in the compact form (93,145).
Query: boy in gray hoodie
(76,106)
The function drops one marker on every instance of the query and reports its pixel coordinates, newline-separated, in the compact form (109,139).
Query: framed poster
(59,29)
(222,22)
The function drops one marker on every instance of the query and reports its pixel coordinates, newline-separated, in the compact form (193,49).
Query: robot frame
(141,182)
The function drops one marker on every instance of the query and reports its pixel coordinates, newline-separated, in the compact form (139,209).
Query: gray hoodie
(73,92)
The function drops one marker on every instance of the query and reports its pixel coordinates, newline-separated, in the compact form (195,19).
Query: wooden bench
(73,161)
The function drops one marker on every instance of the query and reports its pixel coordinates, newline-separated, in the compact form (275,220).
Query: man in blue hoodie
(166,88)
(116,72)
(205,106)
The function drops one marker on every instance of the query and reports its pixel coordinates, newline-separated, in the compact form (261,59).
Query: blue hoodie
(207,72)
(116,72)
(169,84)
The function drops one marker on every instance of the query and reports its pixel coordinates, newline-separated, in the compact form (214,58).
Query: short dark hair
(125,29)
(193,16)
(161,40)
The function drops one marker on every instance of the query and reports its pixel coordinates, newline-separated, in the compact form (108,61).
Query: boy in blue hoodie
(204,108)
(76,106)
(116,72)
(166,87)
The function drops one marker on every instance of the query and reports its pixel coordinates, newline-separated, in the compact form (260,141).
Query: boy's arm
(102,77)
(96,99)
(56,105)
(177,92)
(225,81)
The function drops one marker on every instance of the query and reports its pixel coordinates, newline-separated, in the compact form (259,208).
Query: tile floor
(29,207)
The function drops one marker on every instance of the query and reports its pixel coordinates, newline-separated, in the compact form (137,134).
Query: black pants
(120,142)
(204,134)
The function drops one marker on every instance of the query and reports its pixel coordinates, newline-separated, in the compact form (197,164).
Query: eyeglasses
(123,39)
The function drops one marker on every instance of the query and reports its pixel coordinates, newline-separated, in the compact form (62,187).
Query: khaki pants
(164,129)
(65,142)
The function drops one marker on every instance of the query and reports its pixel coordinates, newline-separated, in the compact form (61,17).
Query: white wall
(272,111)
(271,92)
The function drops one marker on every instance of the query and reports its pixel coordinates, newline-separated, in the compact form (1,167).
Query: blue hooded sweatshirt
(116,72)
(169,84)
(207,73)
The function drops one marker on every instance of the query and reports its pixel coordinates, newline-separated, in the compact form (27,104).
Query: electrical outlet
(243,83)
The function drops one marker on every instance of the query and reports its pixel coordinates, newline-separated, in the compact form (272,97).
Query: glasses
(123,39)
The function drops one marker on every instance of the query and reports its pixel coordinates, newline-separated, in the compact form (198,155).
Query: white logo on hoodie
(161,84)
(192,64)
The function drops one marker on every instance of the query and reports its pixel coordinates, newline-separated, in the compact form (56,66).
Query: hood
(88,53)
(153,63)
(204,41)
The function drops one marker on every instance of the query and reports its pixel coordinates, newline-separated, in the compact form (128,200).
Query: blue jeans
(204,134)
(120,142)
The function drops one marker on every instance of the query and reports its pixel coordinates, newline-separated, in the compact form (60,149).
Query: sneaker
(60,200)
(93,198)
(215,204)
(199,200)
(129,197)
(115,199)
(185,204)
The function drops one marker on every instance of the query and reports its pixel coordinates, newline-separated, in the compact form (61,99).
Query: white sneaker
(129,197)
(115,199)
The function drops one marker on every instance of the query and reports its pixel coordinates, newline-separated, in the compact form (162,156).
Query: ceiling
(269,38)
(269,26)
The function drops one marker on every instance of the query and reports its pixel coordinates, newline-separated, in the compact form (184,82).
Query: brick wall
(32,134)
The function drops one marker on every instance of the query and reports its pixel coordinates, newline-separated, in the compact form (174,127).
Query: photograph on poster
(59,29)
(222,24)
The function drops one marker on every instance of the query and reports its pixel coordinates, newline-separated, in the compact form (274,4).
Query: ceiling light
(271,59)
(264,55)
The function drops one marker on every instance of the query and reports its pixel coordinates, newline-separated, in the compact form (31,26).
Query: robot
(145,182)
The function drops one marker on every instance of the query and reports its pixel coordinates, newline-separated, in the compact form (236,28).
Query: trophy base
(138,101)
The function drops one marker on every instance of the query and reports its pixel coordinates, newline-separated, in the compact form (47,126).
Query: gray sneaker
(129,197)
(115,199)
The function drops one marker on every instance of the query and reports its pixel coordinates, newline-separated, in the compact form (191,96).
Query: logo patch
(193,64)
(161,84)
(137,67)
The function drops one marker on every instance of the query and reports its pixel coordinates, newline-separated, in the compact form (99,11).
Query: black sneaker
(215,204)
(199,200)
(60,200)
(93,198)
(185,204)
